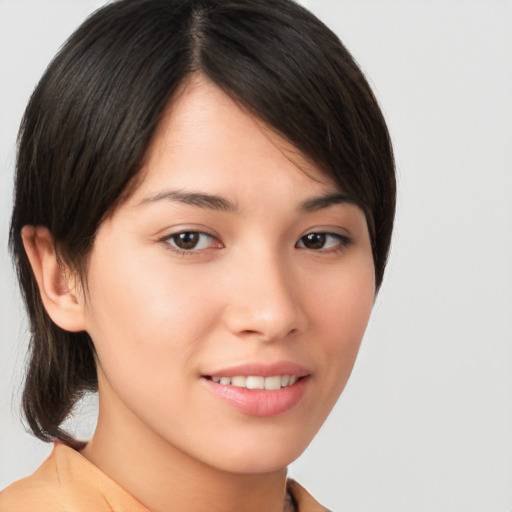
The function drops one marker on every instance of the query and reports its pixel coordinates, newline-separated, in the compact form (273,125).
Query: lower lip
(260,402)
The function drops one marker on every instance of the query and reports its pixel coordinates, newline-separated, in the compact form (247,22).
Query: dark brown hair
(92,116)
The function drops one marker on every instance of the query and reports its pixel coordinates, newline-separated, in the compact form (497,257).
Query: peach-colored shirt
(68,482)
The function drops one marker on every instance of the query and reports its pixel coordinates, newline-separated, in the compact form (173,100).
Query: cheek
(143,320)
(341,313)
(344,303)
(140,311)
(346,316)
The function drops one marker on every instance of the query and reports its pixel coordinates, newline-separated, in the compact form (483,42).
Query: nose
(264,299)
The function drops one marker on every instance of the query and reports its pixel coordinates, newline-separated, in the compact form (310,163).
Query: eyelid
(344,239)
(199,230)
(329,230)
(186,228)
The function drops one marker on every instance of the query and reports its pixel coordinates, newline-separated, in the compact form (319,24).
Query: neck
(164,478)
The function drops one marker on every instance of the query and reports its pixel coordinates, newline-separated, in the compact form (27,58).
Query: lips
(260,389)
(261,369)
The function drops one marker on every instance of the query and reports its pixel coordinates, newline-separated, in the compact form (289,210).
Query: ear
(60,295)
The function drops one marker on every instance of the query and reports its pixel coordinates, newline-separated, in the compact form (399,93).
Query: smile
(257,381)
(256,395)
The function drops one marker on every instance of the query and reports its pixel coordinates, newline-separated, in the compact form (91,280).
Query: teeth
(257,381)
(239,381)
(273,382)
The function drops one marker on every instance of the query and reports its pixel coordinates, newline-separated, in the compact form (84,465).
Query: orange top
(68,482)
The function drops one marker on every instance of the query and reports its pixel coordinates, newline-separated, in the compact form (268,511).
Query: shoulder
(303,501)
(67,482)
(36,492)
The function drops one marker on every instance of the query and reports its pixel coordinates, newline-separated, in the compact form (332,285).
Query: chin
(259,457)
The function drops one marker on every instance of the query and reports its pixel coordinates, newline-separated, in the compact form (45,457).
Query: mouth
(260,390)
(270,383)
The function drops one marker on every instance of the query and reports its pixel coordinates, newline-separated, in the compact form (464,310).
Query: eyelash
(170,242)
(342,242)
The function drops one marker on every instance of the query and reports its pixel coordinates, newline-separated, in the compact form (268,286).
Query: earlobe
(57,286)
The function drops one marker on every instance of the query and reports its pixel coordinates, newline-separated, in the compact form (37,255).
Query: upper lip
(261,369)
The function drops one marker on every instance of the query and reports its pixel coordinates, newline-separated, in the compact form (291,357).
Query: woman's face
(233,265)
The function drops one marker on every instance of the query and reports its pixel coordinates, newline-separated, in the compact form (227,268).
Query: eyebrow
(209,201)
(325,201)
(215,202)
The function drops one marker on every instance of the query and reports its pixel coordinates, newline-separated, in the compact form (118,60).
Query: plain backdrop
(425,423)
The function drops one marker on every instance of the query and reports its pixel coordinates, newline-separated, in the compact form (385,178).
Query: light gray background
(425,423)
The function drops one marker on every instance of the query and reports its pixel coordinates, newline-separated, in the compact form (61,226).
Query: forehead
(206,140)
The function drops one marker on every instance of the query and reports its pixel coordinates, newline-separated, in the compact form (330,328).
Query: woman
(204,203)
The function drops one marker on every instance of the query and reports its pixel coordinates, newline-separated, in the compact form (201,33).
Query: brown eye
(191,241)
(323,241)
(186,240)
(314,241)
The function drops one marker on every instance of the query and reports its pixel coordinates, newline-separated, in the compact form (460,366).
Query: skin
(252,290)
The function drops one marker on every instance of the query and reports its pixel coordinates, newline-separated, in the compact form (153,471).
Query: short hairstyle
(92,117)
